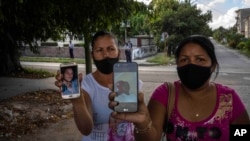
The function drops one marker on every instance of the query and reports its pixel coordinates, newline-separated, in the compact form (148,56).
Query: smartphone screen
(70,84)
(126,86)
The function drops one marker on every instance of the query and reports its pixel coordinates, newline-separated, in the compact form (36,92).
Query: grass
(52,59)
(33,73)
(161,59)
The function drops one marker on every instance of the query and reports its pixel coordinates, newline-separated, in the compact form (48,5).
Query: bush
(232,43)
(247,46)
(161,46)
(234,40)
(240,45)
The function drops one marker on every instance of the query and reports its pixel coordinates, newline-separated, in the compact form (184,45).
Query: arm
(240,115)
(82,108)
(242,119)
(157,113)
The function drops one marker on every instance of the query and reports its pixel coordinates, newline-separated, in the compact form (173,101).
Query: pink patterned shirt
(214,128)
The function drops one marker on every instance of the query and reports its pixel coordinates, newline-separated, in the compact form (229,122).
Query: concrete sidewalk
(10,86)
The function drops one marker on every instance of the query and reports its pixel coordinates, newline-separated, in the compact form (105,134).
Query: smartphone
(70,82)
(126,86)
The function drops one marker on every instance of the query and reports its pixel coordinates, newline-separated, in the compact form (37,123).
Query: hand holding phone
(126,86)
(70,83)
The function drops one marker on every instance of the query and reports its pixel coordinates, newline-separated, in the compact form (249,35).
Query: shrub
(240,45)
(234,40)
(247,45)
(232,43)
(161,46)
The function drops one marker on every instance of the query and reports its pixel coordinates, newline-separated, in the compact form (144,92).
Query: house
(242,21)
(247,27)
(143,46)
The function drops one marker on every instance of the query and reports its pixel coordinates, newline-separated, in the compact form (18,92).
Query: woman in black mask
(195,108)
(91,111)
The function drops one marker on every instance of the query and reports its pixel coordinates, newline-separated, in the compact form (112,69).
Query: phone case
(70,87)
(126,86)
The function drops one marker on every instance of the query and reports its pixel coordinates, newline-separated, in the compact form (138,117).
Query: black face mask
(106,65)
(193,76)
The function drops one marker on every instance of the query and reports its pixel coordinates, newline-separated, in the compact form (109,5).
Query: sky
(223,11)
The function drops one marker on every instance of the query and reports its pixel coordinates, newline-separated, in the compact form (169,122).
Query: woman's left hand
(139,118)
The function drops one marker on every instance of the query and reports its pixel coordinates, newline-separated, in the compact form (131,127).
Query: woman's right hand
(141,118)
(58,78)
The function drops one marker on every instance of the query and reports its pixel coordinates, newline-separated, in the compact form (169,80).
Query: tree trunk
(88,62)
(9,58)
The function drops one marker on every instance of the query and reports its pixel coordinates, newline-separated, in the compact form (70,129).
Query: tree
(219,33)
(179,19)
(26,21)
(137,23)
(23,22)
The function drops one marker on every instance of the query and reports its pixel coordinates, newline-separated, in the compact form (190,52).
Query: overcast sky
(223,11)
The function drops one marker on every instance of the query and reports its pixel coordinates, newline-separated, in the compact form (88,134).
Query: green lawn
(52,59)
(161,59)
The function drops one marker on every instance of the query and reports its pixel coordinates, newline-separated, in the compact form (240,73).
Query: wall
(54,52)
(138,52)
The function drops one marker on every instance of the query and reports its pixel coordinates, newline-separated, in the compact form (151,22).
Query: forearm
(82,116)
(151,135)
(146,131)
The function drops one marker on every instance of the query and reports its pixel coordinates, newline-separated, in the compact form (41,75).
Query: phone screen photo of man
(123,92)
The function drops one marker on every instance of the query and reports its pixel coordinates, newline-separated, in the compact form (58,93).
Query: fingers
(112,96)
(80,77)
(58,83)
(58,75)
(112,103)
(58,78)
(142,104)
(141,97)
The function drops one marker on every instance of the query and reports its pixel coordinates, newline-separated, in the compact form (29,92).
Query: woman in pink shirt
(198,110)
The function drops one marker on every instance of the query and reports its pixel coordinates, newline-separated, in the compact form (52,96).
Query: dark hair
(73,69)
(101,34)
(205,43)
